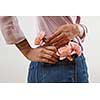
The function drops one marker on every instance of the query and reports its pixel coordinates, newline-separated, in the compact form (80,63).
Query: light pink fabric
(13,34)
(68,50)
(11,30)
(49,24)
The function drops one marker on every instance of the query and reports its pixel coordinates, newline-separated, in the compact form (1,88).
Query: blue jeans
(61,72)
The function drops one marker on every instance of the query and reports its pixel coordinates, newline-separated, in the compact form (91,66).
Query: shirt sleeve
(11,30)
(83,31)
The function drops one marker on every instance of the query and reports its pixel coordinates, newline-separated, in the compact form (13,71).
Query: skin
(47,53)
(63,35)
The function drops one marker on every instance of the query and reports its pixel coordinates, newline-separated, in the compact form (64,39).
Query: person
(67,51)
(13,35)
(45,66)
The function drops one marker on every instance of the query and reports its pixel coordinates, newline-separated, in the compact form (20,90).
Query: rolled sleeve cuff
(83,31)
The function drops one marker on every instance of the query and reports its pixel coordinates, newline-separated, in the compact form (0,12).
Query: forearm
(24,47)
(42,54)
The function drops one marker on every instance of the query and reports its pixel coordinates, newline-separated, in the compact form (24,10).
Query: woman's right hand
(43,54)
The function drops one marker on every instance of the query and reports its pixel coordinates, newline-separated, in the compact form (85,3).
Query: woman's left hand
(63,35)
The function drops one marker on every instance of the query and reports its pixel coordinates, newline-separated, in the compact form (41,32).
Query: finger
(50,57)
(61,43)
(47,61)
(56,39)
(51,53)
(51,48)
(54,35)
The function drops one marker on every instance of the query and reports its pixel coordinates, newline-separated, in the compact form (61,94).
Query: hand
(63,35)
(43,54)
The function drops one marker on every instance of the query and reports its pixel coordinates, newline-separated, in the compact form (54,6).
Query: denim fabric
(61,72)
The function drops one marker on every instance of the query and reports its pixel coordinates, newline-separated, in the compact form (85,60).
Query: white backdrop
(14,66)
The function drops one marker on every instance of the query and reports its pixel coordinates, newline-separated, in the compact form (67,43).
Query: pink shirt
(11,30)
(13,34)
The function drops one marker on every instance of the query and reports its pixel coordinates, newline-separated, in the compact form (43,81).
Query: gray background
(14,66)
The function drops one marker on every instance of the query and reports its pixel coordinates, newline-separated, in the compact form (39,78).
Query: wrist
(81,30)
(24,47)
